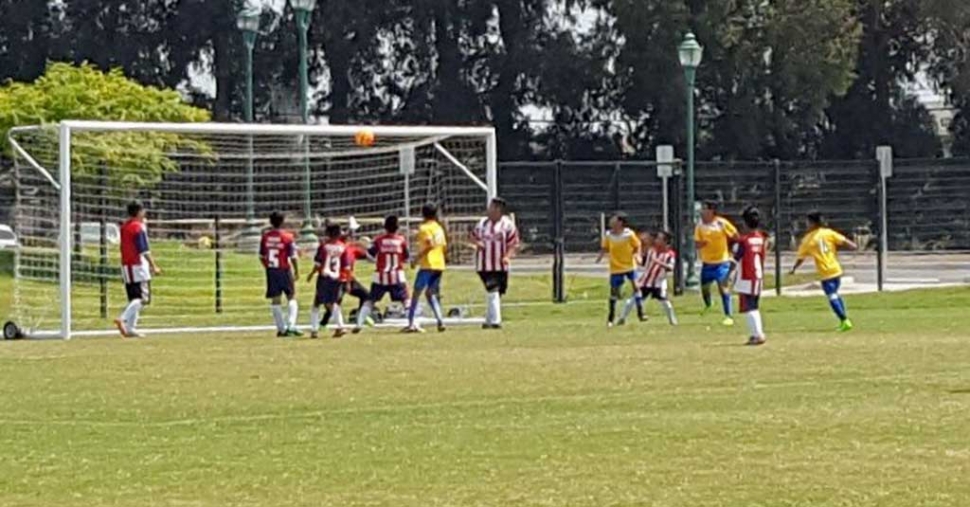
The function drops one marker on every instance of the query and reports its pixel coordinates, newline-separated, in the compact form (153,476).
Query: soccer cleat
(727,322)
(846,325)
(120,324)
(621,322)
(754,341)
(369,321)
(356,330)
(314,335)
(609,324)
(135,334)
(281,334)
(412,330)
(644,318)
(340,333)
(442,328)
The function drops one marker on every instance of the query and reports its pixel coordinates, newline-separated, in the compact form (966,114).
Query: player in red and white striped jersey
(496,241)
(389,252)
(658,262)
(750,268)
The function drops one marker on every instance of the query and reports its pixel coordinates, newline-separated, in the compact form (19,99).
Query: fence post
(103,243)
(776,216)
(615,187)
(217,245)
(678,232)
(559,247)
(884,154)
(665,169)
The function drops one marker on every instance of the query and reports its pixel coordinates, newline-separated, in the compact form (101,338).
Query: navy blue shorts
(618,279)
(428,279)
(658,293)
(495,281)
(398,292)
(279,282)
(711,273)
(329,291)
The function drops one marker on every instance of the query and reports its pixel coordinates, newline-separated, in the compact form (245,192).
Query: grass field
(554,410)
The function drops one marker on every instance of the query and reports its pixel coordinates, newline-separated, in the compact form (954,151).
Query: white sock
(495,307)
(278,318)
(133,306)
(669,310)
(363,313)
(338,315)
(294,310)
(314,319)
(489,319)
(133,311)
(627,308)
(754,323)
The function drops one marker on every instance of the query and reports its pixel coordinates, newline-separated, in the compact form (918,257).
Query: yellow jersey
(622,249)
(716,235)
(822,245)
(432,234)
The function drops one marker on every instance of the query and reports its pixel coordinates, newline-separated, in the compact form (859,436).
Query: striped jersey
(750,256)
(390,253)
(657,264)
(134,246)
(496,240)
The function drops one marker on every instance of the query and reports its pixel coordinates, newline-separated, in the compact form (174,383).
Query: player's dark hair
(430,211)
(622,217)
(711,205)
(502,204)
(276,219)
(752,217)
(333,231)
(134,208)
(815,218)
(665,234)
(391,224)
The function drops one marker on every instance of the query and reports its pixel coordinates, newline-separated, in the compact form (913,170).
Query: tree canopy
(557,78)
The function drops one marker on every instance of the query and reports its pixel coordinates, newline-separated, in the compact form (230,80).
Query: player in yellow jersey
(431,265)
(622,246)
(713,237)
(822,244)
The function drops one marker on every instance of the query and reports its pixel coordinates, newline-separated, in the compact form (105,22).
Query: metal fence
(560,205)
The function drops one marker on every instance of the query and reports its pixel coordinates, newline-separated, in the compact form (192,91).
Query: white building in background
(938,105)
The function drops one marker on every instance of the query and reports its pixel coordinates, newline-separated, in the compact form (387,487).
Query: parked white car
(91,233)
(8,238)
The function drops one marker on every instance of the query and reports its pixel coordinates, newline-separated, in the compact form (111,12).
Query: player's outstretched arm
(797,265)
(849,245)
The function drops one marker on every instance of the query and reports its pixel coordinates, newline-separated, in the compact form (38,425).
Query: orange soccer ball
(364,138)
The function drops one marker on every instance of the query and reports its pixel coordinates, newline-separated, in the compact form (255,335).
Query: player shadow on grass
(959,391)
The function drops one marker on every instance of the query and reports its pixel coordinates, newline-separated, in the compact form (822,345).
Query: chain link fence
(561,207)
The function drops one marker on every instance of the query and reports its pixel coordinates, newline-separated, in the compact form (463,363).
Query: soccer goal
(208,189)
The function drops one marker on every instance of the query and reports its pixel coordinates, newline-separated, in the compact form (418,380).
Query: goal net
(208,190)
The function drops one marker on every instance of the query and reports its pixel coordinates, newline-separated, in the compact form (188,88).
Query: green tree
(66,92)
(894,46)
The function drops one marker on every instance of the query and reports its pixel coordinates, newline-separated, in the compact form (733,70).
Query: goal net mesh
(202,207)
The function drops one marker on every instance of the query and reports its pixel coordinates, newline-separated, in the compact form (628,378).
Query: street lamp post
(690,53)
(248,23)
(303,10)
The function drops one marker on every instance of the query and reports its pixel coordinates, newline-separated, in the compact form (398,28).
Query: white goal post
(208,188)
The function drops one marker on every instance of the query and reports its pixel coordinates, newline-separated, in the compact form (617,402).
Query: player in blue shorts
(713,237)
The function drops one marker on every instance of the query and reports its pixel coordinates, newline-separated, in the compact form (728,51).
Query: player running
(332,263)
(750,268)
(278,253)
(659,262)
(496,240)
(389,252)
(823,244)
(623,246)
(137,268)
(431,266)
(713,237)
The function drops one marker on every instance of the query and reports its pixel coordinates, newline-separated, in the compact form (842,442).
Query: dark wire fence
(560,205)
